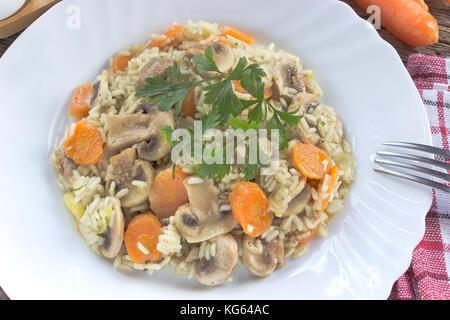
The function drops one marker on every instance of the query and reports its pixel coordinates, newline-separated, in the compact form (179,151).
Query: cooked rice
(89,200)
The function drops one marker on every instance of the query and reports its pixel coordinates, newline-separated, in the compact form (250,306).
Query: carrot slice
(423,4)
(120,63)
(408,20)
(305,239)
(237,34)
(79,108)
(173,33)
(85,145)
(189,109)
(224,41)
(141,238)
(237,87)
(250,208)
(312,161)
(326,187)
(167,193)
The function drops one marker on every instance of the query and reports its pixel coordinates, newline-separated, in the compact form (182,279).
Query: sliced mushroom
(299,203)
(222,56)
(200,219)
(194,50)
(113,235)
(218,268)
(125,170)
(193,255)
(305,103)
(64,165)
(158,67)
(146,108)
(263,263)
(155,147)
(103,164)
(287,76)
(100,88)
(127,129)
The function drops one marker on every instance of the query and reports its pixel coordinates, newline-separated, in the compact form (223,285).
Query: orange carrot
(312,161)
(172,34)
(237,34)
(167,194)
(422,3)
(141,238)
(237,87)
(250,208)
(326,187)
(85,145)
(300,238)
(408,20)
(79,108)
(120,63)
(221,40)
(189,109)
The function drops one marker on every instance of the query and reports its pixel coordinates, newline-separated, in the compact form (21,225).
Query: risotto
(135,202)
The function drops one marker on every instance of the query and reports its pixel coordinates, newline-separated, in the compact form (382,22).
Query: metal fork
(412,164)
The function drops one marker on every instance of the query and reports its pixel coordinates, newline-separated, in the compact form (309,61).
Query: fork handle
(420,147)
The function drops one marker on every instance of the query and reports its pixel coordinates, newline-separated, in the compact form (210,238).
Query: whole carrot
(408,20)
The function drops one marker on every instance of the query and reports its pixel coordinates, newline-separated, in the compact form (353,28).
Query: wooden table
(441,11)
(438,8)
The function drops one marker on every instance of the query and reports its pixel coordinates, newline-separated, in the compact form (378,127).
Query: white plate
(370,242)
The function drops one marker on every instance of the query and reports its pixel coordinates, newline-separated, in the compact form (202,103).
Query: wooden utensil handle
(30,11)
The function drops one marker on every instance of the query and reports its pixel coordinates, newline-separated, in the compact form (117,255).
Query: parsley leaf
(205,62)
(275,123)
(166,94)
(212,170)
(166,134)
(223,99)
(236,123)
(290,118)
(251,171)
(252,81)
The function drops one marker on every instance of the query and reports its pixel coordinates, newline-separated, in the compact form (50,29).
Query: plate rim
(419,235)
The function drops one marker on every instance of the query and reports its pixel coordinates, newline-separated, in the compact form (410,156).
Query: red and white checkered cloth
(428,276)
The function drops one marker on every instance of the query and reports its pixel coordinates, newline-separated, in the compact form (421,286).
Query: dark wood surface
(438,8)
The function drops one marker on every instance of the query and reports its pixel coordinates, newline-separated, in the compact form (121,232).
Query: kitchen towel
(428,276)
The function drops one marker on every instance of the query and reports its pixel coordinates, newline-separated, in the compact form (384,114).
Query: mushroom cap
(155,147)
(64,165)
(265,262)
(287,76)
(158,67)
(219,268)
(113,235)
(126,130)
(124,170)
(305,103)
(223,56)
(103,164)
(200,219)
(100,88)
(299,203)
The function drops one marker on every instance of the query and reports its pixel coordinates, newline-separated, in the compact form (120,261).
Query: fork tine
(433,162)
(414,178)
(420,147)
(429,171)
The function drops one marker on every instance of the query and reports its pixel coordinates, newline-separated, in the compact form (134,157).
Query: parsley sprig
(226,106)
